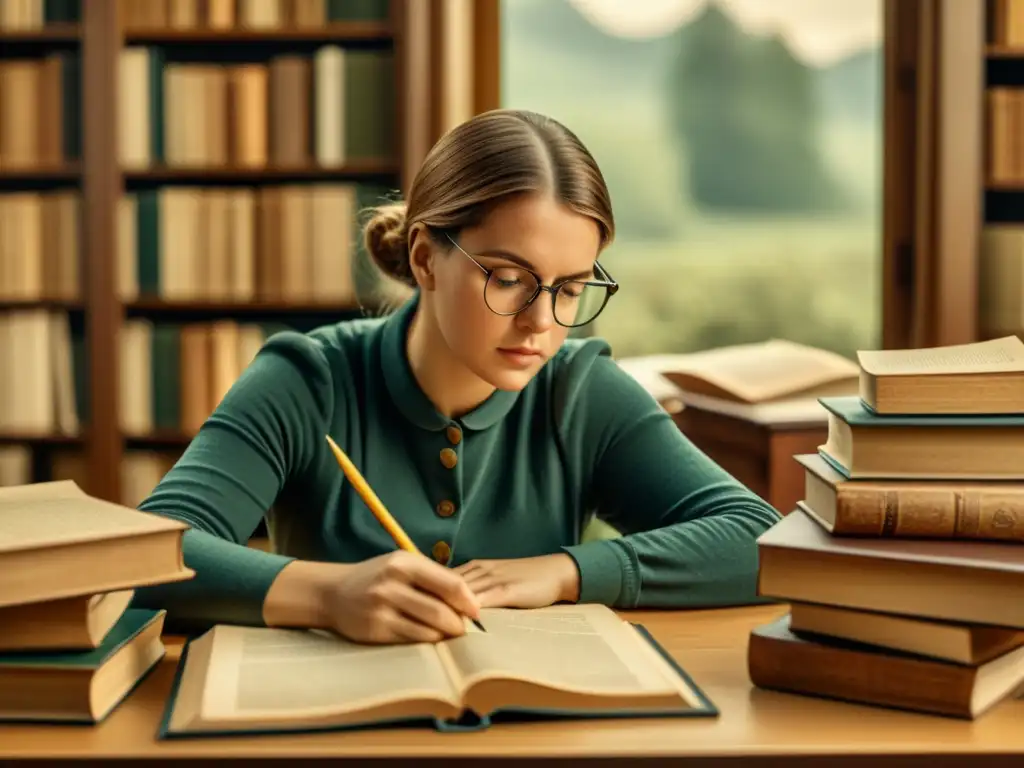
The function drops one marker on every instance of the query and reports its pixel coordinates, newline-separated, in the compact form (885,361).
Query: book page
(585,648)
(262,672)
(1003,355)
(760,372)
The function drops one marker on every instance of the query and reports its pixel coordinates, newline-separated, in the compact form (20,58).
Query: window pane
(741,142)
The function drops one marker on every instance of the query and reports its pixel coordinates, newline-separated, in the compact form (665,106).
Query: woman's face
(534,232)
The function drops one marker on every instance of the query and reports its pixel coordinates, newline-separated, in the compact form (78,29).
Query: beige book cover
(56,541)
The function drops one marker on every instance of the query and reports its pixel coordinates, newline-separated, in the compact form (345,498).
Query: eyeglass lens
(509,290)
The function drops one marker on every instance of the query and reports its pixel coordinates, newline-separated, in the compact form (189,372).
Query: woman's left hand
(528,582)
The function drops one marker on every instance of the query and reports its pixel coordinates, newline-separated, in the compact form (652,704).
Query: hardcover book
(560,661)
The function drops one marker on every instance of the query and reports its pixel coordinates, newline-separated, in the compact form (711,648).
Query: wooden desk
(759,455)
(755,728)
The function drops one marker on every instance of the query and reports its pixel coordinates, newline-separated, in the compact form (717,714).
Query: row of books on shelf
(40,250)
(43,374)
(141,469)
(171,375)
(265,15)
(40,110)
(1005,128)
(246,14)
(296,110)
(26,15)
(1006,21)
(279,243)
(903,562)
(289,243)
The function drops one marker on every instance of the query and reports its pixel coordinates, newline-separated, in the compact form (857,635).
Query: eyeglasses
(510,290)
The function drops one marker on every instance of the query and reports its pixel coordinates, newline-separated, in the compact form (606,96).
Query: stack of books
(903,565)
(71,647)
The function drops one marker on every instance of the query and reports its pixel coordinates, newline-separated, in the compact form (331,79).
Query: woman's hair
(474,167)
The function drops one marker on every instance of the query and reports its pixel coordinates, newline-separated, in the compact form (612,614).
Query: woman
(489,436)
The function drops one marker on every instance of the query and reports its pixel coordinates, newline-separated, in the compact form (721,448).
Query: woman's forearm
(235,584)
(230,585)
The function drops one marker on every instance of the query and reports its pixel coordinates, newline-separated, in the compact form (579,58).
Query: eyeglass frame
(610,284)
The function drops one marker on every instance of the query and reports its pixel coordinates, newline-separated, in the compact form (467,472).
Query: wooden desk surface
(755,727)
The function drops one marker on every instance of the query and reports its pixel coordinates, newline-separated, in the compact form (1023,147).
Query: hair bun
(387,242)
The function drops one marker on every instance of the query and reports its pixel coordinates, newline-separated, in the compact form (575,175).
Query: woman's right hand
(399,597)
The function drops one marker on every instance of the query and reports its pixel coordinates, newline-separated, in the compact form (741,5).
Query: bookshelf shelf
(158,440)
(347,32)
(355,169)
(41,303)
(1005,186)
(49,35)
(14,438)
(160,309)
(69,173)
(1004,51)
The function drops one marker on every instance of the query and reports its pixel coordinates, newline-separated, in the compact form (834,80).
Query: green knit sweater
(521,475)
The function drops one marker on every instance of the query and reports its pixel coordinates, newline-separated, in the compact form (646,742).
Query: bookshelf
(954,171)
(199,141)
(1001,251)
(41,174)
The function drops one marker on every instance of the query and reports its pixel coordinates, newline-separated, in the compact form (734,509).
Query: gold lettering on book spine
(891,512)
(966,522)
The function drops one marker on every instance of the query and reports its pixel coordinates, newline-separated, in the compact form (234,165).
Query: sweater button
(445,508)
(441,552)
(449,458)
(454,435)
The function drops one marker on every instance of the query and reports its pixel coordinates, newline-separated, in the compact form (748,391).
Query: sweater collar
(405,390)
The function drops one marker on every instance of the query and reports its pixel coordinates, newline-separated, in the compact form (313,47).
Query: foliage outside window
(741,141)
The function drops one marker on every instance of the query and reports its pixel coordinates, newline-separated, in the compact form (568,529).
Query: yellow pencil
(377,506)
(372,501)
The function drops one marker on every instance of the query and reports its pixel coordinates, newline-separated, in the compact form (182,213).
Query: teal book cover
(701,707)
(854,412)
(23,667)
(834,463)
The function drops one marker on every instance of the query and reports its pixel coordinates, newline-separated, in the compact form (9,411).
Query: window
(741,141)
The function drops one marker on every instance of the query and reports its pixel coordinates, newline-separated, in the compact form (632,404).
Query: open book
(562,660)
(771,382)
(764,372)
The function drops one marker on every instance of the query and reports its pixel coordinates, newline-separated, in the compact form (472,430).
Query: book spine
(992,512)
